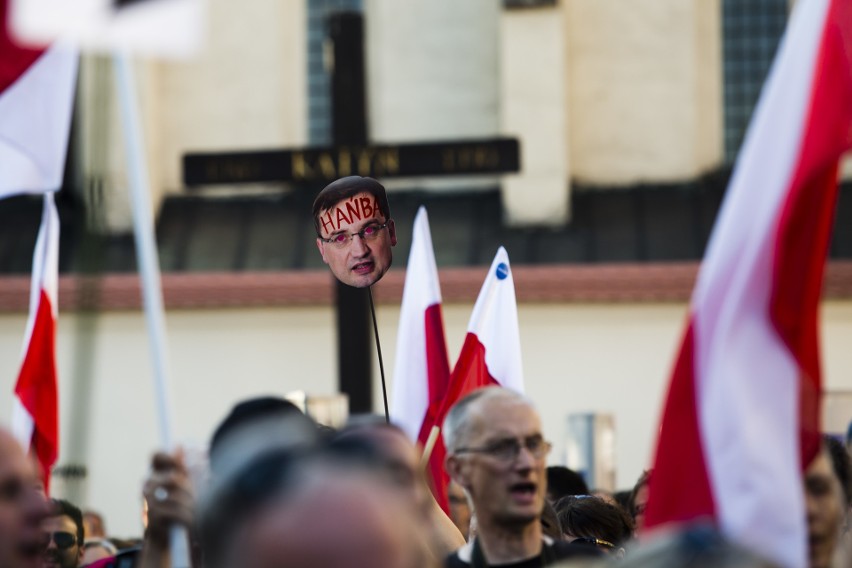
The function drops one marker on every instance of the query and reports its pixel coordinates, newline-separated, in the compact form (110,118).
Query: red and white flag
(491,354)
(36,99)
(422,368)
(741,420)
(35,419)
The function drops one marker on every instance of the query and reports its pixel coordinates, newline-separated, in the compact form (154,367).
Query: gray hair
(457,424)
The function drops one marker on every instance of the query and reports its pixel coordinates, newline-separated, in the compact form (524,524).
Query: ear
(457,469)
(392,232)
(321,249)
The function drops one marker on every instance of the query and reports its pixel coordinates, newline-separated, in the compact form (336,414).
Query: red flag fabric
(491,354)
(741,420)
(35,421)
(36,99)
(422,368)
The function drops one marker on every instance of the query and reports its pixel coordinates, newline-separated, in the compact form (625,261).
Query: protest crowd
(283,490)
(464,480)
(279,489)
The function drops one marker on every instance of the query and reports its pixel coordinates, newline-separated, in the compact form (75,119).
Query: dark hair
(592,517)
(562,482)
(643,480)
(63,508)
(550,524)
(347,187)
(251,409)
(841,465)
(622,498)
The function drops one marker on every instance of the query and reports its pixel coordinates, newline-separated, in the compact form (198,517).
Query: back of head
(336,518)
(255,425)
(696,546)
(586,516)
(562,482)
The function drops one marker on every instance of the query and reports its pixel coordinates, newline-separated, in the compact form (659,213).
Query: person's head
(562,482)
(22,506)
(256,425)
(93,525)
(336,518)
(63,535)
(550,525)
(97,549)
(639,500)
(392,452)
(825,505)
(590,520)
(354,229)
(697,545)
(842,465)
(459,508)
(496,452)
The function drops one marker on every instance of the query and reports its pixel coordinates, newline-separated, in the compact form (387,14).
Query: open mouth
(523,491)
(363,268)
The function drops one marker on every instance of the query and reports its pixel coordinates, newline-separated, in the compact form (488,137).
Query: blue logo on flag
(502,271)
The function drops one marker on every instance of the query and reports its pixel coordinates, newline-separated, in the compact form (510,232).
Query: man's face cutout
(355,240)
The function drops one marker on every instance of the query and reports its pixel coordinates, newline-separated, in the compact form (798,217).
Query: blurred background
(628,115)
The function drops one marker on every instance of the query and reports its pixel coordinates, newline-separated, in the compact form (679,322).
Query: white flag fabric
(36,100)
(742,418)
(491,353)
(421,369)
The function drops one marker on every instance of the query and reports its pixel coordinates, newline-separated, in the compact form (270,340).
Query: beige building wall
(245,89)
(646,89)
(433,75)
(577,358)
(534,109)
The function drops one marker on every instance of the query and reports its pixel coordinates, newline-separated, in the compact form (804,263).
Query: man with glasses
(497,453)
(354,229)
(63,536)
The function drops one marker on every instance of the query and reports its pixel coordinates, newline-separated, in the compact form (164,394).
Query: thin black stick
(379,349)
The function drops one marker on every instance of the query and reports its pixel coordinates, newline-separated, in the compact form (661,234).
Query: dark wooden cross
(352,155)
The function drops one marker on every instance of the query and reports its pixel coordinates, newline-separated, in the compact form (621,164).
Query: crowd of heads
(284,491)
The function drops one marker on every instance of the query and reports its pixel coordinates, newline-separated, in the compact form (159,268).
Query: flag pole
(149,271)
(379,350)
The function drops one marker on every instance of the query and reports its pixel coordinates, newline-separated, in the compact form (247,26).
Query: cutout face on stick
(354,230)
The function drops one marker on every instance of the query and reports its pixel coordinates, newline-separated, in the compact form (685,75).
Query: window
(751,32)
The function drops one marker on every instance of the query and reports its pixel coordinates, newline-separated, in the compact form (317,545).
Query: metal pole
(379,351)
(149,271)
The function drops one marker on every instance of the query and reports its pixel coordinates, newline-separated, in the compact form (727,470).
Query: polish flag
(35,418)
(422,368)
(36,99)
(741,420)
(491,354)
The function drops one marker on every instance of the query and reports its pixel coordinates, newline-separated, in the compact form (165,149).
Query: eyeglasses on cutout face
(62,539)
(508,449)
(370,232)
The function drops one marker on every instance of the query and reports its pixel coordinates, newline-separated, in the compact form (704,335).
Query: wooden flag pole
(430,445)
